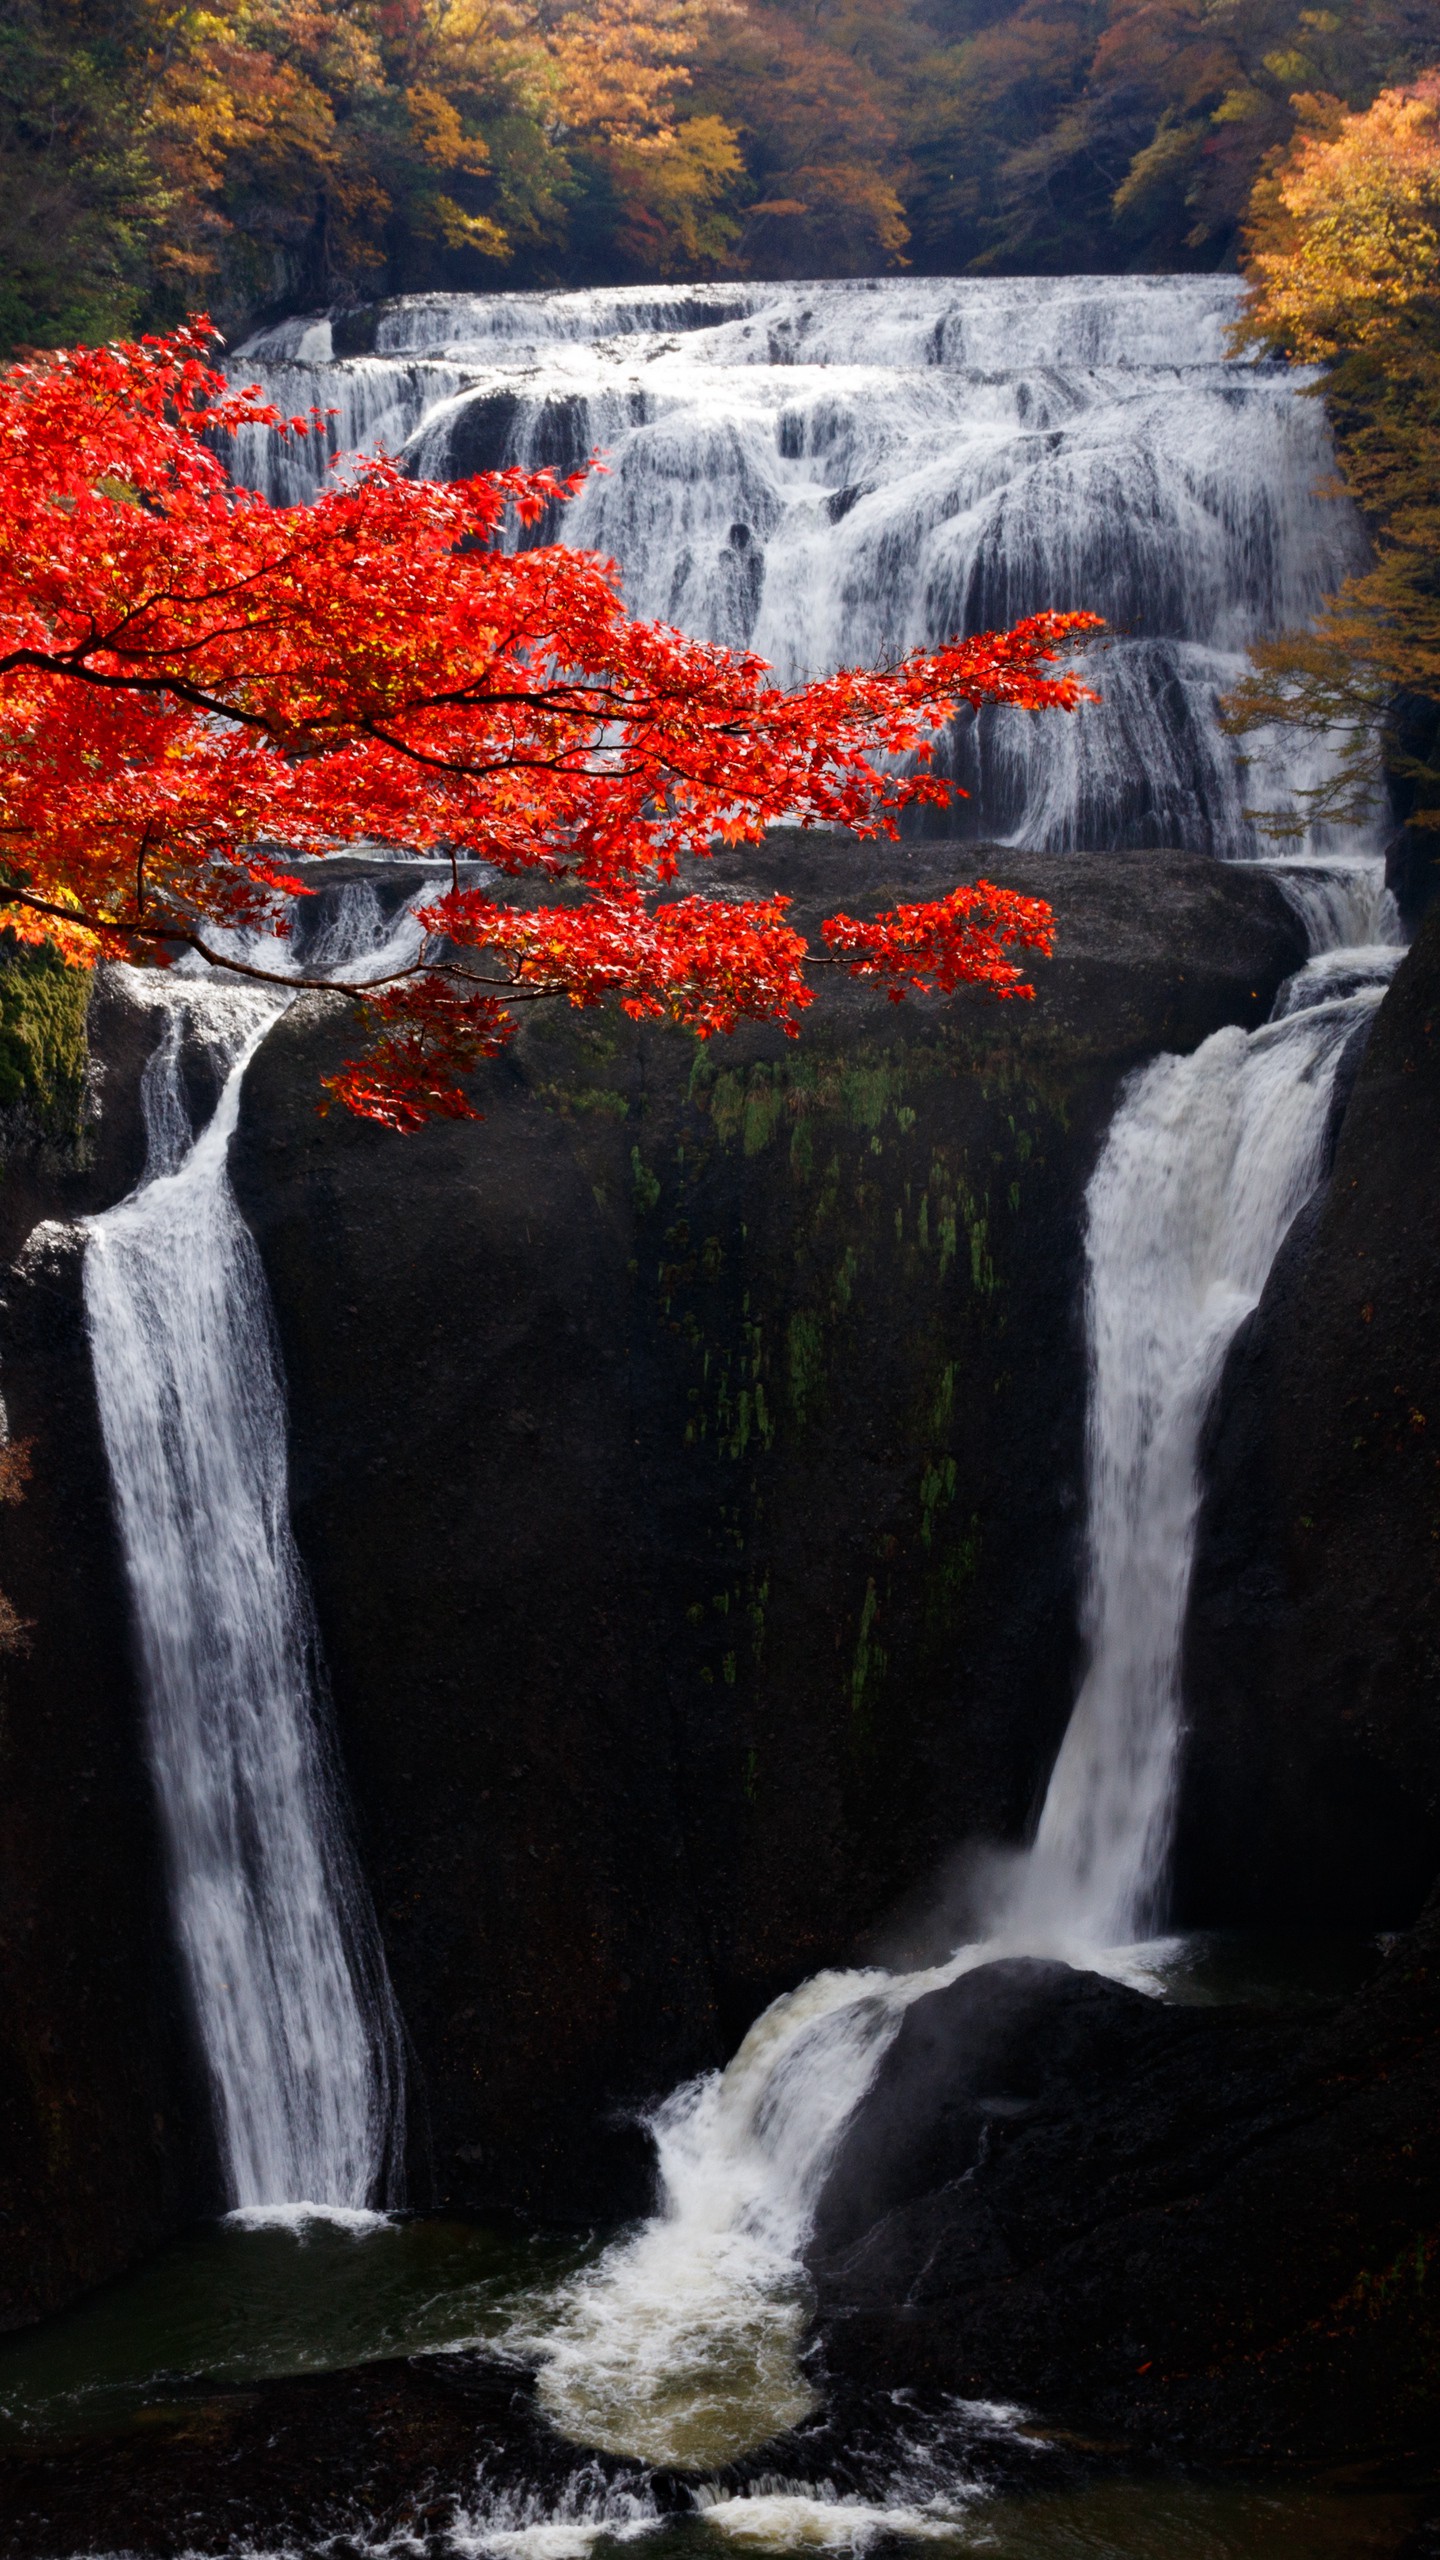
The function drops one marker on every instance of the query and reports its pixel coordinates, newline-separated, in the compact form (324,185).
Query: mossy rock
(43,1048)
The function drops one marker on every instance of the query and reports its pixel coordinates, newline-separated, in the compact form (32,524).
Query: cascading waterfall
(832,473)
(680,2343)
(288,1984)
(1207,1162)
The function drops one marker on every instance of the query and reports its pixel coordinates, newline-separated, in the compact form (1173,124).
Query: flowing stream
(285,1973)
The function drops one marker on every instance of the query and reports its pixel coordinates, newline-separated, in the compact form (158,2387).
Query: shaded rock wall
(104,2145)
(688,1459)
(1312,1788)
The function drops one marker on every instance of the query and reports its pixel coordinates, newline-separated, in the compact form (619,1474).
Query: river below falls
(245,2301)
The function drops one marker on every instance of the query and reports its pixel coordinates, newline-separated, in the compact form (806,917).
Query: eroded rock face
(1204,2227)
(688,1458)
(1312,1786)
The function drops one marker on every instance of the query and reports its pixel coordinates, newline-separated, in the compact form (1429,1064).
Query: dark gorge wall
(1312,1790)
(688,1458)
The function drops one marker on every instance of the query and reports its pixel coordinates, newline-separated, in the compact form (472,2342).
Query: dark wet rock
(1311,1793)
(1201,2228)
(433,2451)
(688,1459)
(43,1179)
(382,2449)
(970,2063)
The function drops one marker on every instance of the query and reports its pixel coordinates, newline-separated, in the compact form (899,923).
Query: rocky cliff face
(1312,1790)
(687,1457)
(688,1460)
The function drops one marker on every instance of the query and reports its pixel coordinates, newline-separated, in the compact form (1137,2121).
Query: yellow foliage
(1344,270)
(675,197)
(442,140)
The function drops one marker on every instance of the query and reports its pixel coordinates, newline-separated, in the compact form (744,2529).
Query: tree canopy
(268,155)
(196,686)
(1344,268)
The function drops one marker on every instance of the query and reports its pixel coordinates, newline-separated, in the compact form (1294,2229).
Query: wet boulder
(1201,2227)
(969,2064)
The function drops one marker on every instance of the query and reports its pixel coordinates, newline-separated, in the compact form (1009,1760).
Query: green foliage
(81,199)
(43,1054)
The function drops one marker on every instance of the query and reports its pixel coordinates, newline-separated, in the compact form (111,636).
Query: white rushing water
(286,1977)
(832,473)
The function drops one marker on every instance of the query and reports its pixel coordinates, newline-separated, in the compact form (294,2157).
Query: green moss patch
(43,1051)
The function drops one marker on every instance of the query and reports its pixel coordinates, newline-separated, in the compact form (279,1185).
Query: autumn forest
(259,155)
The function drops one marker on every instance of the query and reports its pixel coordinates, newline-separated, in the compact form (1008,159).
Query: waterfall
(286,1977)
(1207,1162)
(679,2344)
(832,473)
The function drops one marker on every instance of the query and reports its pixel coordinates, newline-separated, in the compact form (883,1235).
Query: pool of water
(1265,1969)
(230,2304)
(1116,2520)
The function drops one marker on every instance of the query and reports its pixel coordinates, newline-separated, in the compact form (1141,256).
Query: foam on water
(833,473)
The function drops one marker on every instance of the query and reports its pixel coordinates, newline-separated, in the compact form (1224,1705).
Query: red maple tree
(196,685)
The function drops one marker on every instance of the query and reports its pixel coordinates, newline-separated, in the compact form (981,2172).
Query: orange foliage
(1344,231)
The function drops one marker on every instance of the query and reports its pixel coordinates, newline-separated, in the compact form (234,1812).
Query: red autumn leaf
(196,685)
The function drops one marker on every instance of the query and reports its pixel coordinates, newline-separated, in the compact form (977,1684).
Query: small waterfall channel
(680,2342)
(831,473)
(287,1981)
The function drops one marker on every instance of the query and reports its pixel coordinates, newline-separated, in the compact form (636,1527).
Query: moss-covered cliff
(688,1458)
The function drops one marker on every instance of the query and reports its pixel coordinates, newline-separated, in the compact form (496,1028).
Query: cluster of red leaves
(427,1032)
(191,678)
(963,940)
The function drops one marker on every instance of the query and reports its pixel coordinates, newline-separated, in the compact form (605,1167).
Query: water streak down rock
(289,1989)
(832,473)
